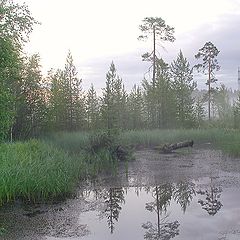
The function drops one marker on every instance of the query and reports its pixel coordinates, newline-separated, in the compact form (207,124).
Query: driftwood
(167,148)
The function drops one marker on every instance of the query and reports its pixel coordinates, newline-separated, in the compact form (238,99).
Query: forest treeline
(32,104)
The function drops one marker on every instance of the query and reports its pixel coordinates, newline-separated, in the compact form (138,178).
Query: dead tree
(167,148)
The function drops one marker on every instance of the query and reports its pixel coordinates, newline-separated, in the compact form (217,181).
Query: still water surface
(184,210)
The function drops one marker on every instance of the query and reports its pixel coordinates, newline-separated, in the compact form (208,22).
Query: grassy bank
(226,140)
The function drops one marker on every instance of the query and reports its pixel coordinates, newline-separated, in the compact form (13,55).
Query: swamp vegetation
(38,170)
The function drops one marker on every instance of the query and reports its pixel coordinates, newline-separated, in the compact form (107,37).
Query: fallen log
(167,148)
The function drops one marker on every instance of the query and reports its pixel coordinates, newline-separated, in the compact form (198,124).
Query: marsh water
(187,195)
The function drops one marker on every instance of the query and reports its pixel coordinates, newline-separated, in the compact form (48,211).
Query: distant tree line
(31,104)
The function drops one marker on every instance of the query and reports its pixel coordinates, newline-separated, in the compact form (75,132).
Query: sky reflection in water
(185,210)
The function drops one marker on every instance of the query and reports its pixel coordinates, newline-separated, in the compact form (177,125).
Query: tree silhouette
(209,65)
(163,229)
(160,31)
(184,193)
(113,199)
(183,86)
(211,203)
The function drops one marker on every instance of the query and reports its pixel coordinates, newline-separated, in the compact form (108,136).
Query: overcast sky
(99,31)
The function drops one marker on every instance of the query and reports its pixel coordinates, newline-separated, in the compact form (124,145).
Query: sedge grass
(34,170)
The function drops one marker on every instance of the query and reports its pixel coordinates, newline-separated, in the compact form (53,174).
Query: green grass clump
(34,170)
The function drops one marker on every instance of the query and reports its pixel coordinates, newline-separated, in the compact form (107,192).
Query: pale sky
(99,31)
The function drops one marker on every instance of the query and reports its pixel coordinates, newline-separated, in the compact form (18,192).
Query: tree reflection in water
(211,203)
(184,193)
(113,199)
(164,229)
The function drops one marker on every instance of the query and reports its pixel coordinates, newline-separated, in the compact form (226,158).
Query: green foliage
(199,112)
(34,170)
(10,69)
(113,104)
(236,113)
(159,98)
(67,101)
(92,109)
(75,100)
(16,22)
(97,149)
(31,104)
(57,104)
(100,140)
(209,64)
(135,105)
(163,31)
(6,114)
(183,86)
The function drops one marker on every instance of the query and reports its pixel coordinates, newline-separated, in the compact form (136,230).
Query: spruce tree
(92,108)
(58,111)
(165,97)
(76,117)
(159,100)
(135,108)
(113,102)
(183,86)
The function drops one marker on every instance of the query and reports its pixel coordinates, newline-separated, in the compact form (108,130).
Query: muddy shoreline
(151,167)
